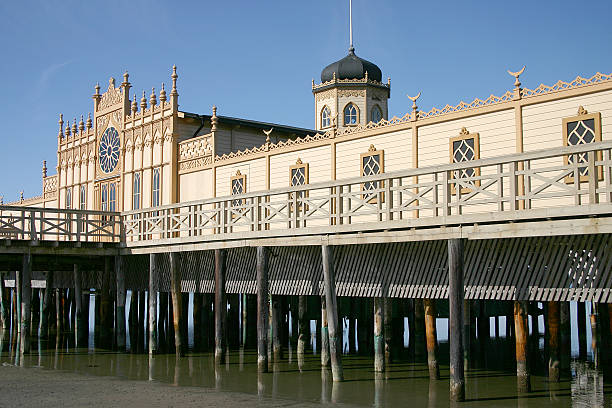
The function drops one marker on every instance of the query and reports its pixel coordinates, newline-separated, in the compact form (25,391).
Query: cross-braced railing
(560,182)
(36,224)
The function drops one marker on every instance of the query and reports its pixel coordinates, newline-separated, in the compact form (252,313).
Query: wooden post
(78,329)
(251,302)
(521,334)
(351,327)
(4,304)
(335,337)
(105,307)
(133,321)
(581,322)
(379,338)
(162,322)
(387,328)
(120,282)
(153,345)
(244,319)
(301,317)
(419,329)
(565,336)
(432,338)
(233,321)
(466,332)
(276,320)
(198,321)
(26,296)
(17,294)
(175,286)
(220,305)
(455,305)
(58,312)
(554,316)
(262,309)
(184,319)
(35,307)
(324,333)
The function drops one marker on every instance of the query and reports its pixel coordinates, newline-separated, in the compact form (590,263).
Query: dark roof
(351,67)
(227,120)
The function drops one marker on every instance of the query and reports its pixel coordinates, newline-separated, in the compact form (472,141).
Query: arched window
(112,197)
(69,198)
(156,185)
(351,115)
(376,115)
(83,200)
(325,117)
(136,192)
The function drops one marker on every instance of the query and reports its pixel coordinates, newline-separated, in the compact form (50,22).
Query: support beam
(455,305)
(175,287)
(78,320)
(521,334)
(262,309)
(379,338)
(432,338)
(26,296)
(220,305)
(324,333)
(554,341)
(152,300)
(335,336)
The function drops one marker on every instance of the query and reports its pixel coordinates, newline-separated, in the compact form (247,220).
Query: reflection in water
(304,379)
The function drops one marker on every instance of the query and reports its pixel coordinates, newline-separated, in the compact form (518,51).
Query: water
(490,380)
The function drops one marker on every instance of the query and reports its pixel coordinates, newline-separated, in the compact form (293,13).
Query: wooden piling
(152,300)
(251,301)
(26,296)
(276,318)
(582,327)
(379,338)
(521,335)
(554,316)
(565,336)
(198,321)
(420,345)
(233,321)
(387,328)
(162,322)
(432,338)
(133,321)
(335,335)
(120,301)
(244,320)
(220,305)
(175,286)
(352,326)
(301,318)
(59,300)
(78,318)
(262,309)
(467,319)
(4,305)
(455,305)
(324,334)
(105,306)
(17,294)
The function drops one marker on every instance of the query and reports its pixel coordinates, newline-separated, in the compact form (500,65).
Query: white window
(351,115)
(156,187)
(325,117)
(136,192)
(376,115)
(69,198)
(581,129)
(83,198)
(112,197)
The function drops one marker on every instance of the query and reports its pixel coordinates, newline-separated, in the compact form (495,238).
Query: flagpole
(351,22)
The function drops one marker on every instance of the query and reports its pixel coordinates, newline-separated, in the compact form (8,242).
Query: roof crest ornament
(582,111)
(267,132)
(517,83)
(414,105)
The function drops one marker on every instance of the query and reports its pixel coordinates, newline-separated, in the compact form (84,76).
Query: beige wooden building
(133,153)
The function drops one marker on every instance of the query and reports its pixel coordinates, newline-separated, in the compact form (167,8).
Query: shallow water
(490,382)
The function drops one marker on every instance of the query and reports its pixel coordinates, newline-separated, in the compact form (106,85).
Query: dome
(351,67)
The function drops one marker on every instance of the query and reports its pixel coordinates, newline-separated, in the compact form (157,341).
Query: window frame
(582,116)
(356,113)
(156,189)
(464,134)
(378,109)
(323,126)
(298,165)
(137,192)
(83,197)
(238,206)
(68,203)
(381,164)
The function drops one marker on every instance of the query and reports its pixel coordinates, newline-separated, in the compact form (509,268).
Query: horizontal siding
(255,171)
(195,186)
(497,132)
(542,123)
(319,166)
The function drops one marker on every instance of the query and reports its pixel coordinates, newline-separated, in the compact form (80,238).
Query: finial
(88,121)
(97,88)
(125,78)
(162,94)
(312,83)
(388,81)
(174,76)
(143,101)
(81,125)
(516,75)
(267,133)
(238,173)
(21,196)
(111,82)
(366,76)
(44,169)
(464,131)
(582,111)
(153,98)
(414,105)
(334,77)
(61,125)
(1,200)
(213,119)
(371,148)
(299,161)
(74,127)
(67,129)
(134,105)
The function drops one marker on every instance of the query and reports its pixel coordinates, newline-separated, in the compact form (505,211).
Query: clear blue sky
(256,59)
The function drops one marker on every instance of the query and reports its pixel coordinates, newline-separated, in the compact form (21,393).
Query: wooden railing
(560,182)
(36,224)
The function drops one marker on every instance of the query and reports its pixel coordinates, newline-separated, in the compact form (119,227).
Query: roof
(351,67)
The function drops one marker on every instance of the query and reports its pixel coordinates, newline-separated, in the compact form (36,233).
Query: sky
(256,59)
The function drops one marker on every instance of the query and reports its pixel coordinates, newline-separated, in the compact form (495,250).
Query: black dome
(351,67)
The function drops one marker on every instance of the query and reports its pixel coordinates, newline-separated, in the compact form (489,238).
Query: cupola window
(376,115)
(351,115)
(325,117)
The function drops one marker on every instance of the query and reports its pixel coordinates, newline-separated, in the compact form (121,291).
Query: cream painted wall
(255,171)
(319,166)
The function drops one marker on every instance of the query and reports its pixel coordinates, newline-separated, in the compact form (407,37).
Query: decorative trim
(582,116)
(381,169)
(464,134)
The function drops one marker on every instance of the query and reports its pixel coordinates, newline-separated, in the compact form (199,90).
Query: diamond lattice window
(238,186)
(581,129)
(371,165)
(298,176)
(464,148)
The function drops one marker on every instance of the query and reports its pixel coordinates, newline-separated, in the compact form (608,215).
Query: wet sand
(35,387)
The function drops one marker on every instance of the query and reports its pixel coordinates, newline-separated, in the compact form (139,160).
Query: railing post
(593,178)
(23,224)
(340,204)
(33,225)
(527,184)
(389,194)
(512,184)
(256,213)
(608,174)
(78,231)
(446,194)
(577,198)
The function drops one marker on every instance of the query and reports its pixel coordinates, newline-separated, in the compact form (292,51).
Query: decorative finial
(61,125)
(67,129)
(162,94)
(267,132)
(414,105)
(125,78)
(111,82)
(74,127)
(44,169)
(21,196)
(298,161)
(1,200)
(153,98)
(366,76)
(134,105)
(371,148)
(81,125)
(97,88)
(143,101)
(312,83)
(517,83)
(213,119)
(582,111)
(238,172)
(174,76)
(464,131)
(88,123)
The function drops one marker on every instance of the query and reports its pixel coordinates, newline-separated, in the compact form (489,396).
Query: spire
(67,129)
(214,120)
(351,48)
(134,105)
(174,77)
(143,101)
(74,127)
(61,126)
(126,76)
(153,98)
(44,169)
(162,94)
(88,121)
(81,125)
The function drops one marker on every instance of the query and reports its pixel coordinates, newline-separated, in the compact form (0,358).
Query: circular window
(109,150)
